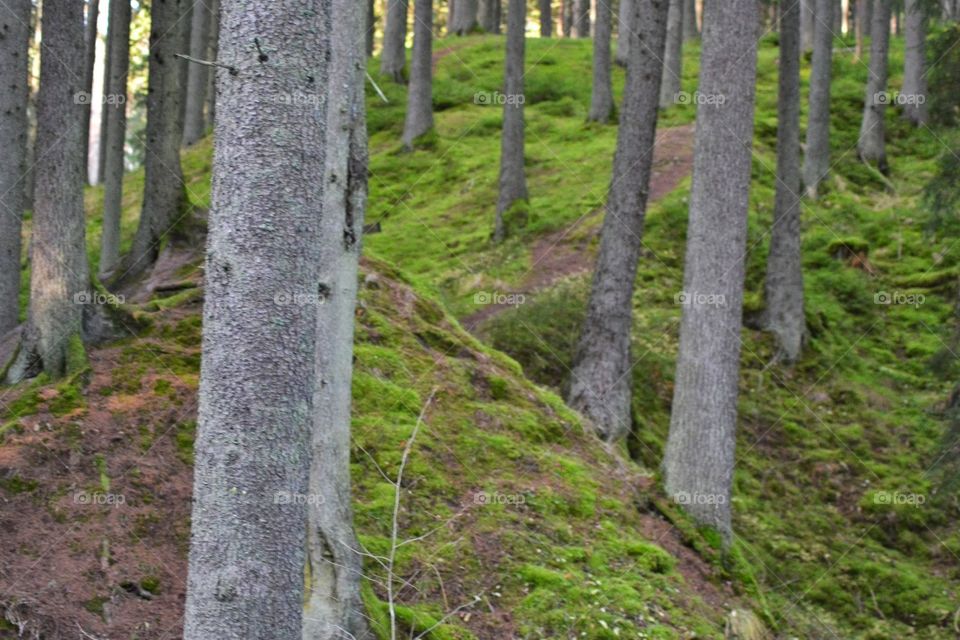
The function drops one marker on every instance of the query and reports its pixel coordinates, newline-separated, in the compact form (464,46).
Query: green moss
(16,484)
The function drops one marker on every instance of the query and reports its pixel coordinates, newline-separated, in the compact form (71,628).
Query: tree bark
(513,180)
(672,55)
(914,90)
(93,14)
(567,18)
(699,456)
(601,381)
(211,93)
(581,18)
(870,145)
(601,102)
(14,56)
(489,16)
(115,114)
(690,29)
(807,27)
(465,18)
(102,148)
(546,18)
(817,160)
(623,32)
(393,58)
(194,123)
(263,288)
(59,276)
(784,315)
(334,608)
(419,118)
(371,25)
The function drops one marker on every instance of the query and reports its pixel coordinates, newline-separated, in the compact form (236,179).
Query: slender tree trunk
(672,55)
(836,20)
(93,14)
(371,25)
(393,58)
(164,197)
(817,161)
(115,113)
(567,18)
(699,456)
(101,147)
(914,90)
(14,57)
(581,18)
(784,283)
(465,18)
(211,93)
(807,27)
(690,30)
(546,18)
(513,180)
(59,276)
(419,119)
(870,146)
(194,124)
(601,102)
(623,32)
(601,380)
(333,608)
(263,284)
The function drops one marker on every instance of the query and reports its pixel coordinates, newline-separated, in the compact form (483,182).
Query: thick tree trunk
(784,315)
(465,18)
(699,456)
(672,55)
(513,180)
(93,15)
(914,91)
(601,381)
(817,160)
(263,289)
(211,93)
(546,18)
(333,608)
(59,277)
(14,56)
(194,123)
(419,119)
(489,16)
(581,18)
(115,113)
(690,29)
(601,102)
(807,27)
(624,32)
(164,197)
(870,145)
(393,58)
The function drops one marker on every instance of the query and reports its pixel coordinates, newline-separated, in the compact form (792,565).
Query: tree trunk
(784,284)
(93,14)
(699,456)
(871,146)
(836,21)
(513,180)
(393,58)
(164,197)
(419,119)
(567,18)
(623,32)
(194,124)
(807,27)
(581,18)
(115,114)
(601,381)
(914,91)
(263,289)
(59,276)
(465,18)
(333,608)
(546,18)
(690,30)
(211,92)
(672,55)
(817,161)
(489,16)
(101,147)
(14,56)
(371,26)
(601,102)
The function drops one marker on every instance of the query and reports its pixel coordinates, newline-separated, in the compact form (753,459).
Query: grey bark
(862,25)
(101,147)
(59,277)
(601,100)
(817,160)
(115,115)
(914,88)
(333,608)
(393,58)
(419,118)
(14,56)
(194,123)
(489,16)
(581,18)
(93,14)
(263,278)
(211,109)
(513,179)
(836,21)
(807,29)
(672,55)
(164,197)
(601,380)
(371,26)
(546,18)
(567,18)
(870,146)
(465,18)
(624,32)
(690,29)
(784,315)
(699,456)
